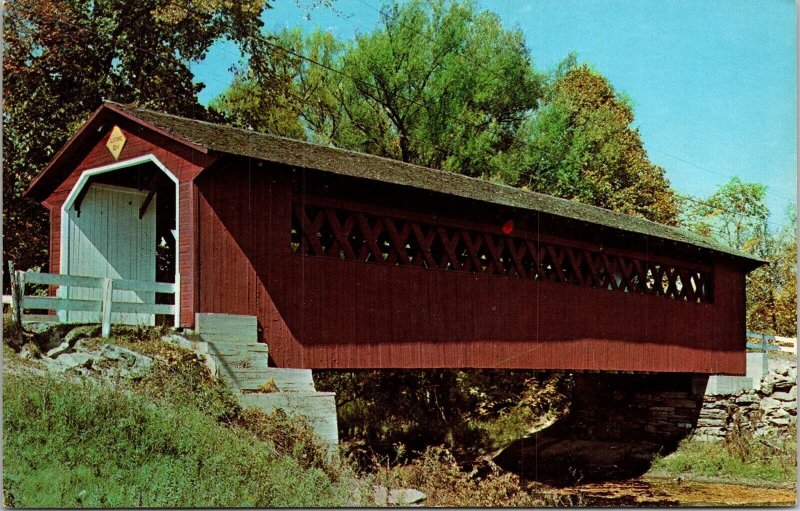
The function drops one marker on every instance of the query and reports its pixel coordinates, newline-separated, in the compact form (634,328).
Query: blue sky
(713,82)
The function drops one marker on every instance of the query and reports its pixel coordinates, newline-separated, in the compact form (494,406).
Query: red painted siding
(183,162)
(321,312)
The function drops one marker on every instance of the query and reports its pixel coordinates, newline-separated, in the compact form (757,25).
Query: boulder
(69,361)
(58,350)
(711,423)
(769,403)
(713,413)
(38,327)
(72,337)
(380,495)
(130,364)
(779,412)
(779,421)
(705,437)
(405,496)
(80,332)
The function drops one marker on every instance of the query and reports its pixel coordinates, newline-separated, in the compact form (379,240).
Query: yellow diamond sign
(116,142)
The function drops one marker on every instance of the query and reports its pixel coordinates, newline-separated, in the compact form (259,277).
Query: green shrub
(470,411)
(72,444)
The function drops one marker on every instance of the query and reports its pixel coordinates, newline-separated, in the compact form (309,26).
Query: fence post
(764,342)
(16,296)
(177,301)
(105,310)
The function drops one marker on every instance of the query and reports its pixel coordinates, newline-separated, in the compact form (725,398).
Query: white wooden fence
(768,342)
(104,305)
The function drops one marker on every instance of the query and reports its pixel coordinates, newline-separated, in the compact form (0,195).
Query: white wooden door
(109,239)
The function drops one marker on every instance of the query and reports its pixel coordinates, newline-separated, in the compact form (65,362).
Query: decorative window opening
(320,230)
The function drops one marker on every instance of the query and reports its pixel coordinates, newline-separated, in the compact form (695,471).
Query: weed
(268,386)
(437,473)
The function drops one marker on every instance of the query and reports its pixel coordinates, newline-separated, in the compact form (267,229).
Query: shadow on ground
(556,456)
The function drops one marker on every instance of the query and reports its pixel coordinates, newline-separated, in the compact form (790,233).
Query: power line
(710,171)
(724,210)
(339,72)
(475,63)
(356,80)
(383,14)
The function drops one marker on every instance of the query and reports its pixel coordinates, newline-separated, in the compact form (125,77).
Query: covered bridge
(354,261)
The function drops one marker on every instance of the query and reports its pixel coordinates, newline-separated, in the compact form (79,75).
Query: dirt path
(663,492)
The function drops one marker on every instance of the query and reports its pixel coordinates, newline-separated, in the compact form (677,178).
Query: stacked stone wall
(656,408)
(768,409)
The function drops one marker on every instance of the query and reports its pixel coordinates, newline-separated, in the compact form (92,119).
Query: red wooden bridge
(354,261)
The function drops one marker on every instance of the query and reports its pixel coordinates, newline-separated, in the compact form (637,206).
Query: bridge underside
(616,426)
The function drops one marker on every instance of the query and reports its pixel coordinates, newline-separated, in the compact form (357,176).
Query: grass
(178,438)
(174,439)
(743,460)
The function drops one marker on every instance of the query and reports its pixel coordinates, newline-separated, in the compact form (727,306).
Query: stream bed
(669,492)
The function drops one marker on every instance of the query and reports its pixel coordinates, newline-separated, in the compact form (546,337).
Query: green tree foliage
(581,145)
(398,413)
(294,94)
(439,85)
(737,215)
(446,86)
(63,57)
(786,272)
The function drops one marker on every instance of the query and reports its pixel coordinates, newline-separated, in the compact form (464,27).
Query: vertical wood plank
(108,290)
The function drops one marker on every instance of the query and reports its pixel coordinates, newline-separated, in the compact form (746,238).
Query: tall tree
(302,102)
(581,145)
(785,261)
(438,84)
(63,57)
(737,215)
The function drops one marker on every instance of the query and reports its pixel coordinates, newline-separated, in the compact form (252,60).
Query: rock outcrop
(76,356)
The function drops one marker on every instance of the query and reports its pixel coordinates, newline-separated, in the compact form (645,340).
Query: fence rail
(769,342)
(104,305)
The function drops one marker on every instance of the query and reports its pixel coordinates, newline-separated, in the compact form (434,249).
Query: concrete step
(286,380)
(226,327)
(319,408)
(240,356)
(234,348)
